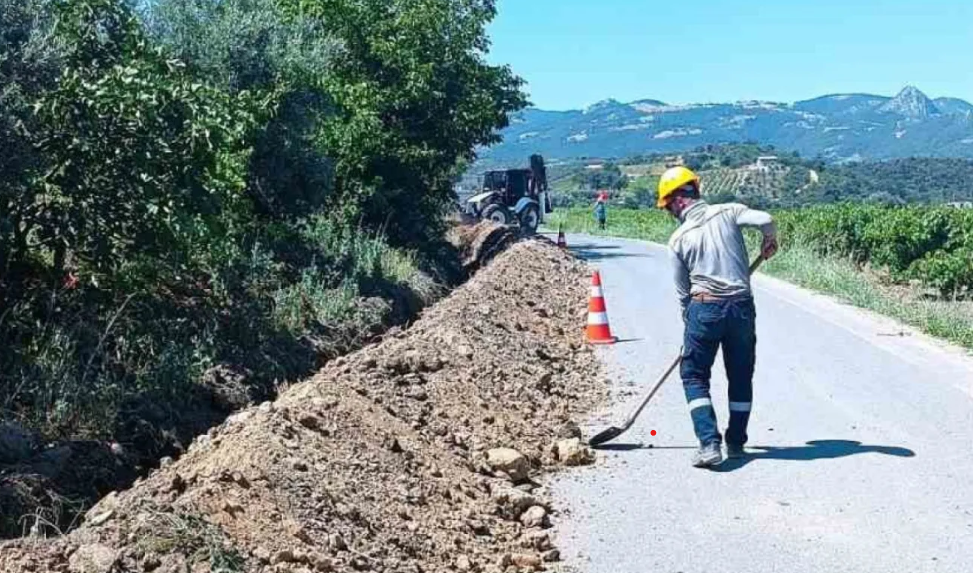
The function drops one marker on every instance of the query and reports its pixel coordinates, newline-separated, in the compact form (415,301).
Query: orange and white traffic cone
(561,240)
(598,331)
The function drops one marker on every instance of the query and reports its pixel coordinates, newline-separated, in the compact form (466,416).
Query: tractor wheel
(498,214)
(530,219)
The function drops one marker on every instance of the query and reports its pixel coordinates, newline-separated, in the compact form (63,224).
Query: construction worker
(601,211)
(711,268)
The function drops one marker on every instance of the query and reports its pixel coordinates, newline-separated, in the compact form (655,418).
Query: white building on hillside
(765,162)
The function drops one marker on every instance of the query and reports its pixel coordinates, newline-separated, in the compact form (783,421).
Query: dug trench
(421,452)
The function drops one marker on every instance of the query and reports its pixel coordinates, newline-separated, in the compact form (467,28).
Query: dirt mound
(415,454)
(479,243)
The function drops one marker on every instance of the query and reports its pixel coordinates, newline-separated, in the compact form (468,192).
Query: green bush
(949,272)
(899,237)
(927,244)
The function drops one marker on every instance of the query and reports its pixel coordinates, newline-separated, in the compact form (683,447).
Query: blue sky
(576,52)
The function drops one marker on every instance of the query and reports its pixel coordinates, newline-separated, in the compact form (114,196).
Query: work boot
(734,451)
(708,455)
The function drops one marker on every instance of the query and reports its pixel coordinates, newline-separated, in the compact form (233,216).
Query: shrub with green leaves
(29,66)
(927,244)
(143,160)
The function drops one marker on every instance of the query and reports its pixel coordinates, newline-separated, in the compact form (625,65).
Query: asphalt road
(861,443)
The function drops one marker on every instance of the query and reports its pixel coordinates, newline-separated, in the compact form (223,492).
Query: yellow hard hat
(672,180)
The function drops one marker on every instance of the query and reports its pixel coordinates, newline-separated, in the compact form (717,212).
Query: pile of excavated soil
(416,454)
(478,244)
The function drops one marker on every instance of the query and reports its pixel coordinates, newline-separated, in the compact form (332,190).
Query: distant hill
(836,128)
(761,176)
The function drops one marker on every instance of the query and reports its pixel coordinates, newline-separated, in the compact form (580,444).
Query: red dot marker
(653,432)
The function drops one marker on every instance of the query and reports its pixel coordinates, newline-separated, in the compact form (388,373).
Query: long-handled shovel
(613,432)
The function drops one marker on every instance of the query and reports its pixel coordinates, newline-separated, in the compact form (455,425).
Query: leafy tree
(641,192)
(29,67)
(413,97)
(144,160)
(608,176)
(252,45)
(696,162)
(918,180)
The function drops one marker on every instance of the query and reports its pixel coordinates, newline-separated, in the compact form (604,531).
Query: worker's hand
(769,247)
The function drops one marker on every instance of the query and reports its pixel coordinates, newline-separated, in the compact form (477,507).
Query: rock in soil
(569,430)
(525,561)
(94,558)
(513,502)
(463,563)
(534,517)
(573,453)
(536,539)
(380,461)
(510,462)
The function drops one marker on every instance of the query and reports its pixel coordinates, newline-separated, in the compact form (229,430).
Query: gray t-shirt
(708,253)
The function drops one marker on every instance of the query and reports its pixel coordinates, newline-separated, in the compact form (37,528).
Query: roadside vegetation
(203,199)
(914,264)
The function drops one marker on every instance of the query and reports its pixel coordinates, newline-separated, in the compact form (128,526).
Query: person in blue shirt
(601,212)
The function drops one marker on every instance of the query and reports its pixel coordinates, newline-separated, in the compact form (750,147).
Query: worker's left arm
(747,217)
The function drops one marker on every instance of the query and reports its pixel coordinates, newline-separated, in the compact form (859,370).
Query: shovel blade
(605,436)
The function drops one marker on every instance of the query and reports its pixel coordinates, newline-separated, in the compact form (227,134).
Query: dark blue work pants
(710,325)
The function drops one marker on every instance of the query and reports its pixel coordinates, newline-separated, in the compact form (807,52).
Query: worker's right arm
(747,217)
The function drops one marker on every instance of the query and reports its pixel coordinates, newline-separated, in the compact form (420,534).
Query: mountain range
(836,128)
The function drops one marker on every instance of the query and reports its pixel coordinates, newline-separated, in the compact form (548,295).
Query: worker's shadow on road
(593,247)
(814,450)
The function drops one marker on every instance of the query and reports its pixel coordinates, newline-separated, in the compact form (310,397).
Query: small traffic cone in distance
(561,240)
(598,331)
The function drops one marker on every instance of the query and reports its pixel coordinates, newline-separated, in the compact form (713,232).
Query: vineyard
(767,184)
(932,246)
(723,181)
